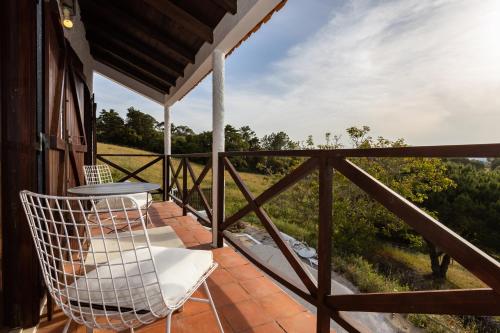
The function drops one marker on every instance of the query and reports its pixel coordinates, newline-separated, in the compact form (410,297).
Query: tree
(109,127)
(277,165)
(471,208)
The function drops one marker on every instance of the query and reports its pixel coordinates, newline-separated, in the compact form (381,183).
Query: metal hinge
(42,142)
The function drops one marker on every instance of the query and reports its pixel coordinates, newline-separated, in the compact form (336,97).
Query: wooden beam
(228,5)
(481,302)
(183,18)
(118,20)
(127,58)
(295,262)
(282,185)
(112,61)
(137,48)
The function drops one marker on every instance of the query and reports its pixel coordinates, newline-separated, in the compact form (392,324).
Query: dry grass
(234,199)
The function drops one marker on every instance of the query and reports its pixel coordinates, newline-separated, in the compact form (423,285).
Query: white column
(167,135)
(218,58)
(167,130)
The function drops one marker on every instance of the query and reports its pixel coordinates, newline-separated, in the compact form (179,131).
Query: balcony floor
(246,299)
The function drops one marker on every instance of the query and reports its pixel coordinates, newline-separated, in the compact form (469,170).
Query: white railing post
(167,141)
(218,58)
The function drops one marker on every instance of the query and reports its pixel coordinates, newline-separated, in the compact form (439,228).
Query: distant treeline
(463,194)
(140,130)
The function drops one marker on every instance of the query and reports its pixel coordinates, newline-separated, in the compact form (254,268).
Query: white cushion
(179,271)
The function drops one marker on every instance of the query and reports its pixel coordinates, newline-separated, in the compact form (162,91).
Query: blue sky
(424,70)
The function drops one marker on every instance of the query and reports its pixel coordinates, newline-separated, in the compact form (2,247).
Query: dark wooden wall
(20,269)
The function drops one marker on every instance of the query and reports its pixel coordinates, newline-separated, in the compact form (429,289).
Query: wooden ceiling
(151,41)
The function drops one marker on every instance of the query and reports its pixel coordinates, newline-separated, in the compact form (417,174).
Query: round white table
(113,189)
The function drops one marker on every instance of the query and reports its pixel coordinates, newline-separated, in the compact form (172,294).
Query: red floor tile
(245,315)
(280,305)
(246,272)
(300,323)
(259,287)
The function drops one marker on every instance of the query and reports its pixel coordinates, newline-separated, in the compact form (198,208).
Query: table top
(113,188)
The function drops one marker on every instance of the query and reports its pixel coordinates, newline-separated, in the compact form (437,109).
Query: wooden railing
(134,174)
(174,179)
(190,198)
(318,292)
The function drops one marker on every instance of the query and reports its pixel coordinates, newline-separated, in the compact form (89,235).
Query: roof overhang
(147,65)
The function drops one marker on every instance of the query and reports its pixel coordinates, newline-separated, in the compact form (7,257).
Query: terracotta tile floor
(246,299)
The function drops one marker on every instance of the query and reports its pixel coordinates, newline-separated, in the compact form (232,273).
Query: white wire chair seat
(111,281)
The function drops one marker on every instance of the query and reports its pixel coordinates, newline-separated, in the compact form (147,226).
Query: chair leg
(89,329)
(169,321)
(213,306)
(67,325)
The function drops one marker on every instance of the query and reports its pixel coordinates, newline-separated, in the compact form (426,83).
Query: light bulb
(67,22)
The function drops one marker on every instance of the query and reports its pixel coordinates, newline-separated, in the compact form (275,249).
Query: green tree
(109,127)
(471,207)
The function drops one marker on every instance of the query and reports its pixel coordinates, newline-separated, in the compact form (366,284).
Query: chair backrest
(97,265)
(97,174)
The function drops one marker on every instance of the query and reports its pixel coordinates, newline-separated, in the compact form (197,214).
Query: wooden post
(324,244)
(20,271)
(218,59)
(167,177)
(184,186)
(220,202)
(167,147)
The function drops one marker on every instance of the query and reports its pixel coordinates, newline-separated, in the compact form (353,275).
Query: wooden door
(66,96)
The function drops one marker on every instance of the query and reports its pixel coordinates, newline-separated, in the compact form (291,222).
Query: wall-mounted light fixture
(68,13)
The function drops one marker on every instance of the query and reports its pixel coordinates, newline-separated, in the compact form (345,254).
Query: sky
(427,71)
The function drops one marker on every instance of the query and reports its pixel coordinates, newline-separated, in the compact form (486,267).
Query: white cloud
(428,71)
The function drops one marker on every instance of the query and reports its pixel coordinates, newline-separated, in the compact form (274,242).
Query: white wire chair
(111,280)
(97,174)
(101,174)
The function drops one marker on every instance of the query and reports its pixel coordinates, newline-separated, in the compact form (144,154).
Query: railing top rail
(474,150)
(191,155)
(131,155)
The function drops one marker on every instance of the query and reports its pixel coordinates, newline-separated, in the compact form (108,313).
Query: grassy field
(234,199)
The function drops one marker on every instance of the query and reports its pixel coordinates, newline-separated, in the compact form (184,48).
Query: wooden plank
(128,67)
(119,168)
(131,72)
(144,167)
(136,47)
(20,271)
(221,188)
(472,258)
(183,18)
(196,186)
(475,150)
(282,185)
(184,186)
(228,5)
(124,24)
(480,302)
(191,155)
(324,244)
(175,174)
(78,103)
(129,58)
(290,255)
